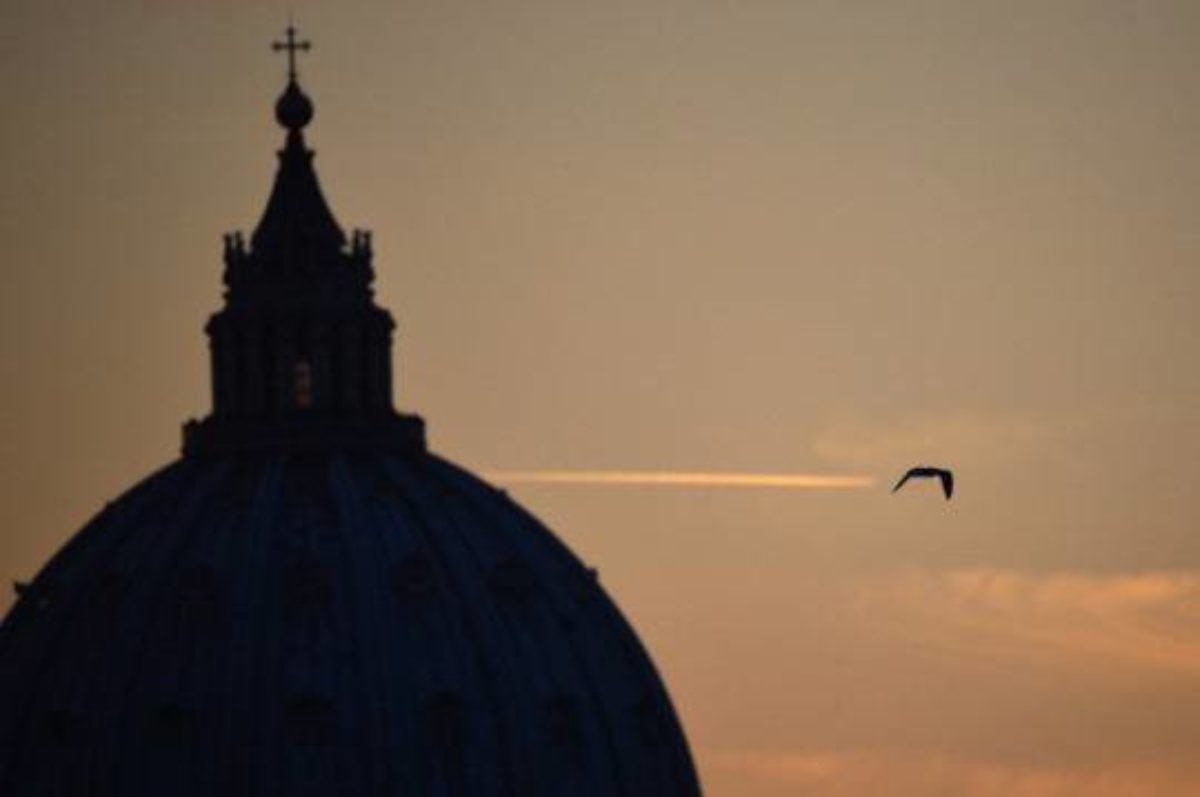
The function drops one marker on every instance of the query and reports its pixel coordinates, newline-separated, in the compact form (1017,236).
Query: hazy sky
(824,237)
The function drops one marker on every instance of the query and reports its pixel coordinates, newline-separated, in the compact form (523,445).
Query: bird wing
(947,483)
(903,479)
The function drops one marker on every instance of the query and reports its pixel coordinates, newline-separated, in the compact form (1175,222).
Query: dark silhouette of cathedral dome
(309,601)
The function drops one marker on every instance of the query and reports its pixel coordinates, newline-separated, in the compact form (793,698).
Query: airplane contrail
(643,478)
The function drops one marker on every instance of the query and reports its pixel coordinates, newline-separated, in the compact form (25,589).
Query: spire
(301,354)
(297,221)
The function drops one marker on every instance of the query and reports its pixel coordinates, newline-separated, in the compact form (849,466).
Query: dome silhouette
(308,601)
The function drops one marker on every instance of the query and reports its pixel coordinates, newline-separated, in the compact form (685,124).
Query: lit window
(302,384)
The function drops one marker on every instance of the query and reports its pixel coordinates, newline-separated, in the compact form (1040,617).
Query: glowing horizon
(641,478)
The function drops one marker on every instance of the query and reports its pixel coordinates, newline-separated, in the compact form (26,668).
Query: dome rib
(393,539)
(151,663)
(499,684)
(257,484)
(604,767)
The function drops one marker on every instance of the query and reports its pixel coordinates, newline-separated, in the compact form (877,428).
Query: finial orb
(293,109)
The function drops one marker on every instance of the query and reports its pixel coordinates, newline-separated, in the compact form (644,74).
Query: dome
(310,602)
(334,624)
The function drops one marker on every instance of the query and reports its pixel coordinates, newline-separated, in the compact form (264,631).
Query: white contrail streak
(641,478)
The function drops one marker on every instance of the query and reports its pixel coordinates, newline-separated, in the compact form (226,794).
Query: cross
(291,45)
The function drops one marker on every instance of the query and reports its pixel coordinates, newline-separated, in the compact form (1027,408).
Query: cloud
(871,772)
(1092,623)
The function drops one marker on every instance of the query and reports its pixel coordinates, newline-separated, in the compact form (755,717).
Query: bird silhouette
(927,472)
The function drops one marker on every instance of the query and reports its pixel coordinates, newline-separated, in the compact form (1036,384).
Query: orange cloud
(834,774)
(1089,621)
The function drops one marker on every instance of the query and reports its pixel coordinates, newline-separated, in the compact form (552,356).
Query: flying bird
(926,472)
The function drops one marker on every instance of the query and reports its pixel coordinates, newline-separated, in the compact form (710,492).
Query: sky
(834,238)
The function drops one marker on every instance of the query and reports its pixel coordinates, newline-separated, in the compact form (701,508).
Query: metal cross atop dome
(291,45)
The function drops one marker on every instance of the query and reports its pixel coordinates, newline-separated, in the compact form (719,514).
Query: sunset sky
(832,238)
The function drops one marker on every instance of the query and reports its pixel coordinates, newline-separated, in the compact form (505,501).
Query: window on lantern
(302,386)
